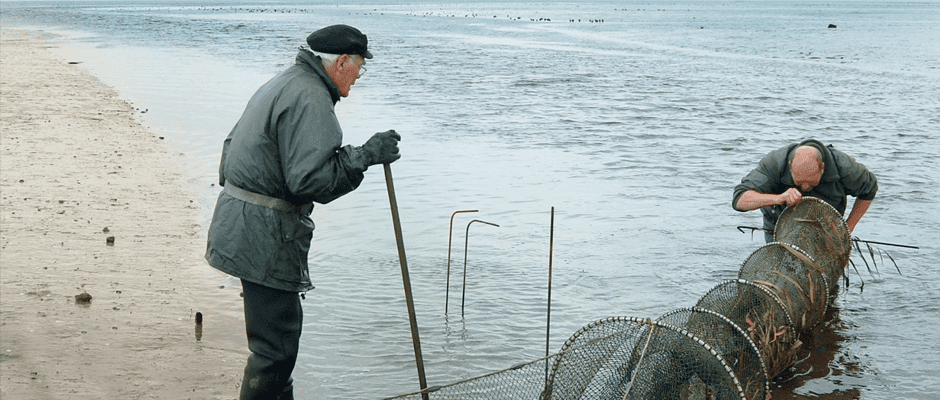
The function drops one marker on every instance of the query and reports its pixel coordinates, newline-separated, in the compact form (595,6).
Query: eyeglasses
(362,67)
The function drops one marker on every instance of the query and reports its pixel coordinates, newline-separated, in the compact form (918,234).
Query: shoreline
(78,167)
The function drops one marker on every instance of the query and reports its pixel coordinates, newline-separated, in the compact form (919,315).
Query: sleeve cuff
(361,157)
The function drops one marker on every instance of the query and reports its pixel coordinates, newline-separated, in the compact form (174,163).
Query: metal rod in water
(396,221)
(466,241)
(449,240)
(886,244)
(754,228)
(548,318)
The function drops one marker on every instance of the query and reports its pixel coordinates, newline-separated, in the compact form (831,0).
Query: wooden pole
(407,281)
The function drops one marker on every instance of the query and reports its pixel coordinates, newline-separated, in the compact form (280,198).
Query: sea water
(633,121)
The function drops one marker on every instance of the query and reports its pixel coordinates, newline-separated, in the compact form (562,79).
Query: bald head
(806,167)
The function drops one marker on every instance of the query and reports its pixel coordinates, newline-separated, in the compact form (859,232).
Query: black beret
(339,39)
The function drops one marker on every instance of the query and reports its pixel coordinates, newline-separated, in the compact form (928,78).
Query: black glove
(382,148)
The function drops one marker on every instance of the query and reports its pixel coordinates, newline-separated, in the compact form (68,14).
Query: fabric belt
(266,201)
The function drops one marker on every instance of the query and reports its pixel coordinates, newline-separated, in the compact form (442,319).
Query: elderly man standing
(284,154)
(808,168)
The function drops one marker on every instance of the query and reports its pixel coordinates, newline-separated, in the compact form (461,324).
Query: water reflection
(823,364)
(454,332)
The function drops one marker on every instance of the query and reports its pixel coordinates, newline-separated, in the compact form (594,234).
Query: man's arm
(760,187)
(858,210)
(859,182)
(752,199)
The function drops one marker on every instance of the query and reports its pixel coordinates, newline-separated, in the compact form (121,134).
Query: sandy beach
(78,168)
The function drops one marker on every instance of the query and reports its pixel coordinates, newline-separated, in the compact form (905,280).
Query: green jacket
(843,176)
(286,145)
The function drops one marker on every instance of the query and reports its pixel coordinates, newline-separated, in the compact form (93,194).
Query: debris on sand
(83,298)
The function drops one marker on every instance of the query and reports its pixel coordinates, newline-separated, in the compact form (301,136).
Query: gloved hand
(382,148)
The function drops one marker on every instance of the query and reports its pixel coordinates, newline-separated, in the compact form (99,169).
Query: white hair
(328,59)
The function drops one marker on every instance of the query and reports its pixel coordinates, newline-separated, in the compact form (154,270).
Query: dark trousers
(273,321)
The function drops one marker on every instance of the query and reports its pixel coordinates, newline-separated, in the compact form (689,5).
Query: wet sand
(77,167)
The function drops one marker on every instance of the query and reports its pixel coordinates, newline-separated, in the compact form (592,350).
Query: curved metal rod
(466,241)
(450,236)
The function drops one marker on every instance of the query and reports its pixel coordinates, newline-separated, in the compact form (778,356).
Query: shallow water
(634,129)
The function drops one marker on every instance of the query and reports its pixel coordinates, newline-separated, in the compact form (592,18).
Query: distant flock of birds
(438,14)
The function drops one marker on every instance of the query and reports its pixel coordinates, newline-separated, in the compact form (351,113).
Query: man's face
(806,175)
(347,72)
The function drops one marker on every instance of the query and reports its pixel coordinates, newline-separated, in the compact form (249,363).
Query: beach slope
(77,168)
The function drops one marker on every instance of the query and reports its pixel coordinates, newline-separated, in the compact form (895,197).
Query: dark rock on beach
(83,298)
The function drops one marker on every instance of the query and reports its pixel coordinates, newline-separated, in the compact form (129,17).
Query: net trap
(738,336)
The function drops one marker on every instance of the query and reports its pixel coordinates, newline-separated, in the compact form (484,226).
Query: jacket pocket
(290,263)
(296,228)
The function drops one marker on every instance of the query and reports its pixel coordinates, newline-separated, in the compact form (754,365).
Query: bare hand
(791,197)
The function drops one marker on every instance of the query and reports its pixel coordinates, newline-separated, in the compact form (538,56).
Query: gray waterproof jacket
(843,176)
(286,145)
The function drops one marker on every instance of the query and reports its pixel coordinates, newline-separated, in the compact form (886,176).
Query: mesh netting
(614,358)
(762,315)
(803,288)
(729,340)
(739,335)
(631,358)
(521,382)
(818,229)
(598,353)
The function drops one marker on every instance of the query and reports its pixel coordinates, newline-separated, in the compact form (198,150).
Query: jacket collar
(308,60)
